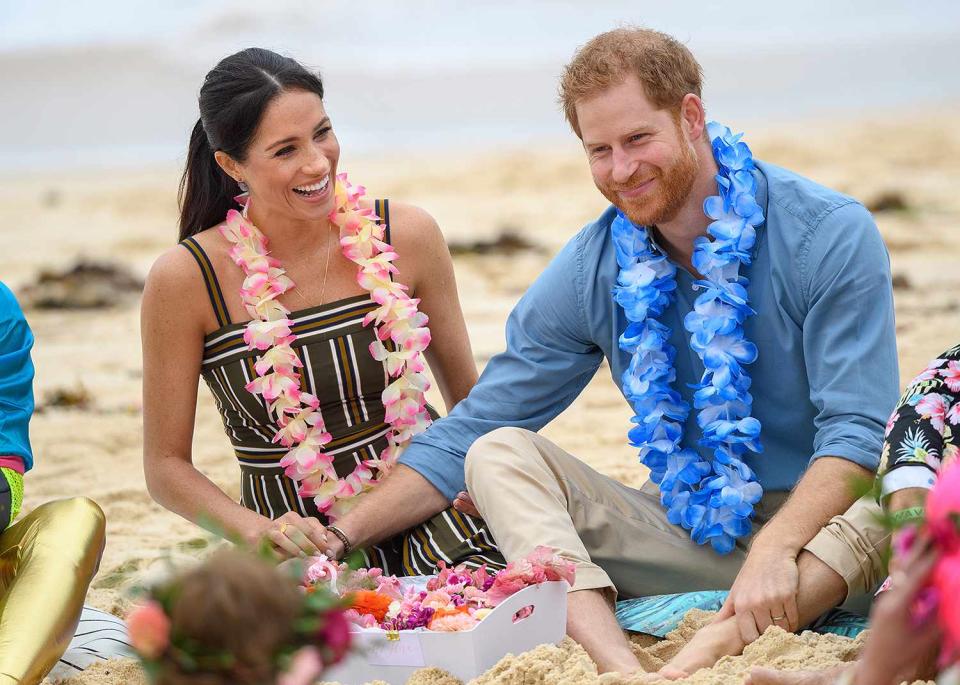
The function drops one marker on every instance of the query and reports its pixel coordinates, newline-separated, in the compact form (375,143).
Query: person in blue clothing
(746,314)
(48,557)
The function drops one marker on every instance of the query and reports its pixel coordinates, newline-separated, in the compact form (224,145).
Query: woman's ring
(284,526)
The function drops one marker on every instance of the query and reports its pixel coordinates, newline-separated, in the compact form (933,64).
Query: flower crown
(320,624)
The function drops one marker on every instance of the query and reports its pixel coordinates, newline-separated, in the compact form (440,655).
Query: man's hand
(465,505)
(764,593)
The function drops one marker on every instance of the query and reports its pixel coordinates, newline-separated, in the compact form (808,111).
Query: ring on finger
(778,618)
(283,528)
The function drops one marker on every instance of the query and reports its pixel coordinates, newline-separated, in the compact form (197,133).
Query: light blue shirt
(826,377)
(16,380)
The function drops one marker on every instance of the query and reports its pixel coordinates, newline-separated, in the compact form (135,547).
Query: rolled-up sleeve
(548,360)
(16,380)
(848,335)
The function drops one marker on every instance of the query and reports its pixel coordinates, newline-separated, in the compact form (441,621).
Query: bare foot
(767,676)
(705,648)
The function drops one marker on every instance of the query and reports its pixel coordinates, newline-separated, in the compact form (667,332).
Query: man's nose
(623,166)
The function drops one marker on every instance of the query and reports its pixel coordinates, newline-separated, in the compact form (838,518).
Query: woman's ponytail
(206,192)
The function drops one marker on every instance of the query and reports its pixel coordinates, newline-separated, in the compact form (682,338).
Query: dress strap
(382,209)
(210,279)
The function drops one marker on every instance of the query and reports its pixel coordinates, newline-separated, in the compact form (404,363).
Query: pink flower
(335,636)
(390,586)
(273,385)
(934,407)
(149,629)
(262,335)
(928,373)
(540,566)
(358,619)
(954,415)
(946,580)
(323,569)
(891,422)
(943,509)
(504,585)
(951,375)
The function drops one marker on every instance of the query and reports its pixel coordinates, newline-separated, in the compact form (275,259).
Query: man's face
(639,157)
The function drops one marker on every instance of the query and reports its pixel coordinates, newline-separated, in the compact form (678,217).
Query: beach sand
(911,161)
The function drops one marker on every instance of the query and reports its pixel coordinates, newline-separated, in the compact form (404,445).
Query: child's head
(235,619)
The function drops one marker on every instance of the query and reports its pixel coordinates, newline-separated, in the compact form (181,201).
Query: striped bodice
(332,343)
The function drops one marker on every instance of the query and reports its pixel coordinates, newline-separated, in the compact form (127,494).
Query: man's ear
(692,116)
(228,164)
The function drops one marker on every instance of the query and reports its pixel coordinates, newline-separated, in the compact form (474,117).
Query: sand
(545,194)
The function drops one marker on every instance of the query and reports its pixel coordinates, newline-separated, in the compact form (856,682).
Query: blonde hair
(664,66)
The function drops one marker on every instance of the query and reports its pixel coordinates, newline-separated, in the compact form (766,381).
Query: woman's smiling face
(291,163)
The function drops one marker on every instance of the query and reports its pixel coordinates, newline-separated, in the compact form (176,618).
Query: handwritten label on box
(404,651)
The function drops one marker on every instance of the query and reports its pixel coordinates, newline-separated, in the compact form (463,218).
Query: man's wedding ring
(778,618)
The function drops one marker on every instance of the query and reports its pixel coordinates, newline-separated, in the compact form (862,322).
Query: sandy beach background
(88,360)
(450,107)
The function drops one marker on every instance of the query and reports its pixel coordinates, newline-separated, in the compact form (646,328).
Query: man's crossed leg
(532,493)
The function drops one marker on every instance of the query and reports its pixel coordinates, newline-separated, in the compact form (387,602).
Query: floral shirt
(923,435)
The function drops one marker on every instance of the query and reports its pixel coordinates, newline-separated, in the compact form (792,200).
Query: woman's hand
(292,535)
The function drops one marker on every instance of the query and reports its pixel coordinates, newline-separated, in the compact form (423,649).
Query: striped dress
(332,343)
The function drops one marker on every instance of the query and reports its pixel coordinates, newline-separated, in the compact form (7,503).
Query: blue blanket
(659,614)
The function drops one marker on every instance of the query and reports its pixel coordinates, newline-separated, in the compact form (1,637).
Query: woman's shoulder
(413,225)
(177,271)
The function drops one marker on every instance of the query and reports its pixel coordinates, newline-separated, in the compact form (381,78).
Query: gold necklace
(323,284)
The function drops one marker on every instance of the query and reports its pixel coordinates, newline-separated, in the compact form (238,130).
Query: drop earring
(243,199)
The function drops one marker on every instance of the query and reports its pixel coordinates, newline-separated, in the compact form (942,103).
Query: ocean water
(109,83)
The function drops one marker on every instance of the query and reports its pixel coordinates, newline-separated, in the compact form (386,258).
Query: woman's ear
(229,165)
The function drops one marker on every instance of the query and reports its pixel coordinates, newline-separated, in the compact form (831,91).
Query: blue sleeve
(16,379)
(548,361)
(848,335)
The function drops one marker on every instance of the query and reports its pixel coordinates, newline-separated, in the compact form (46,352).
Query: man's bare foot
(705,648)
(767,676)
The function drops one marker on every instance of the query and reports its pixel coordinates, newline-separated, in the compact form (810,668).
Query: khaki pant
(530,492)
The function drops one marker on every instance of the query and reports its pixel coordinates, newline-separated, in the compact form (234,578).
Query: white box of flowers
(462,621)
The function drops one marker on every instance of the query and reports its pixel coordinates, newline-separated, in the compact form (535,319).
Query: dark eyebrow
(323,122)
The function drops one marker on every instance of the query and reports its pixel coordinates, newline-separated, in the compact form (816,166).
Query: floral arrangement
(401,338)
(940,599)
(712,498)
(455,599)
(169,636)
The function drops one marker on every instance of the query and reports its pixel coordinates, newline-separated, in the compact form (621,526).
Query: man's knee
(503,446)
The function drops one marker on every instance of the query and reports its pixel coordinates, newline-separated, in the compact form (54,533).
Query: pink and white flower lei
(401,338)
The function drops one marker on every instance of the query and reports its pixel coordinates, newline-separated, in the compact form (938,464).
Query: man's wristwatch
(347,547)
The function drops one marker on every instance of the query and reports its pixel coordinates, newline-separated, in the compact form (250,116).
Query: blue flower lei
(712,499)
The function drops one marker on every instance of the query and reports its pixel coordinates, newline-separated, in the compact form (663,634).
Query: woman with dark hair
(305,314)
